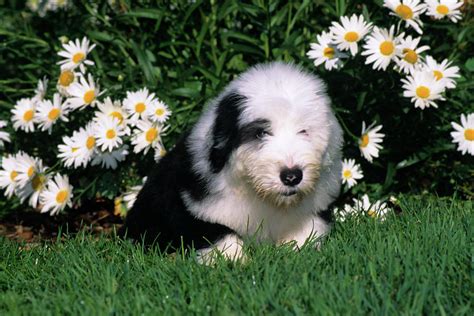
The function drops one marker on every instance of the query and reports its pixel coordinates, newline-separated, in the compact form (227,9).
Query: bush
(186,52)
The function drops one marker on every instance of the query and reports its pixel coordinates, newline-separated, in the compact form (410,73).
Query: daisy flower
(111,108)
(324,51)
(147,135)
(75,55)
(54,5)
(78,149)
(381,47)
(369,142)
(27,167)
(108,132)
(377,209)
(4,136)
(346,212)
(65,80)
(351,172)
(442,71)
(48,113)
(8,175)
(408,11)
(83,93)
(41,90)
(138,104)
(440,9)
(410,59)
(57,195)
(131,195)
(110,160)
(159,112)
(160,151)
(24,115)
(423,89)
(464,134)
(33,188)
(351,30)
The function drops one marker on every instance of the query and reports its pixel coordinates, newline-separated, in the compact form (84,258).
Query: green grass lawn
(419,262)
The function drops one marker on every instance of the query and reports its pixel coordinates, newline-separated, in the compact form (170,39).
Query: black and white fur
(263,160)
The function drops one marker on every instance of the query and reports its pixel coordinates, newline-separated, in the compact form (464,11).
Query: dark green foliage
(187,51)
(417,263)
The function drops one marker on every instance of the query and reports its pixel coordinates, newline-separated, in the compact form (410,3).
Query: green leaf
(470,64)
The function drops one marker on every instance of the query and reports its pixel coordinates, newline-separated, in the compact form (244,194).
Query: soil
(30,226)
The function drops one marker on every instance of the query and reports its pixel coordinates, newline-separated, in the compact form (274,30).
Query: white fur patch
(247,195)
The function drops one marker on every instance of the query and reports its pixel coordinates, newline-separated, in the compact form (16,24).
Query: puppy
(263,160)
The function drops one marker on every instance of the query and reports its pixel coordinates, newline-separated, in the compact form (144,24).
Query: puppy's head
(272,133)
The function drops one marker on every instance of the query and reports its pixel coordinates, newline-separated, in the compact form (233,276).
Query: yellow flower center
(66,78)
(410,55)
(442,9)
(438,74)
(28,115)
(13,175)
(89,96)
(118,116)
(364,141)
(37,182)
(387,48)
(74,149)
(404,11)
(347,174)
(31,171)
(329,52)
(423,92)
(78,57)
(151,134)
(90,142)
(110,134)
(469,134)
(372,213)
(53,114)
(351,37)
(160,111)
(140,107)
(61,197)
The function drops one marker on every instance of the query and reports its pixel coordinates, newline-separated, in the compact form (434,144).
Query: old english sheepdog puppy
(263,160)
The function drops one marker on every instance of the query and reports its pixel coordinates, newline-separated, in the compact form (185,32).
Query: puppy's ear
(225,130)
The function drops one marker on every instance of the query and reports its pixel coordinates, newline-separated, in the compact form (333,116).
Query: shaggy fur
(263,160)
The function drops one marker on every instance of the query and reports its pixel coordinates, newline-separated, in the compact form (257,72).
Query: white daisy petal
(408,11)
(138,104)
(442,71)
(423,89)
(48,113)
(23,117)
(57,195)
(351,172)
(463,134)
(325,51)
(75,55)
(83,93)
(349,32)
(370,141)
(440,9)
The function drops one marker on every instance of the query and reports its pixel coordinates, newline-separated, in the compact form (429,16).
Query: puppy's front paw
(229,247)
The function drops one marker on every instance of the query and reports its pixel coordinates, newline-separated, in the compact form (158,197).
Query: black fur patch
(328,214)
(159,214)
(248,133)
(225,130)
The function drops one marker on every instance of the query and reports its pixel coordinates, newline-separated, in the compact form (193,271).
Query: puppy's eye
(261,133)
(303,132)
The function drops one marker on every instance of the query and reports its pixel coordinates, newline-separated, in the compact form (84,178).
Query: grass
(417,263)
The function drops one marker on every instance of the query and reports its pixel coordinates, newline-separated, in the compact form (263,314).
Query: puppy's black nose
(291,177)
